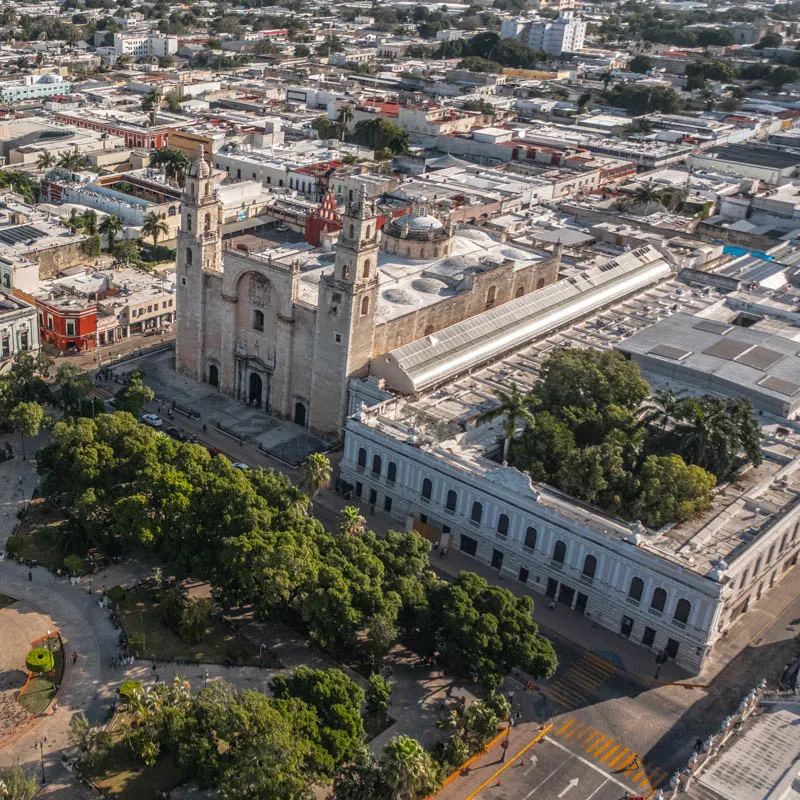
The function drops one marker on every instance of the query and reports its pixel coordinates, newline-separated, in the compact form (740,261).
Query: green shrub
(74,565)
(40,659)
(14,545)
(117,594)
(157,253)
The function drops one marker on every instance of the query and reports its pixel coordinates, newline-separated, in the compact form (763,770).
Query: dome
(199,168)
(428,285)
(421,222)
(399,296)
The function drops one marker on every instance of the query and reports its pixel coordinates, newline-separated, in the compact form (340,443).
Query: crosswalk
(574,688)
(621,761)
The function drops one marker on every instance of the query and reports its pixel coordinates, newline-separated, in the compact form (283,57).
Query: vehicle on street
(153,420)
(241,465)
(181,435)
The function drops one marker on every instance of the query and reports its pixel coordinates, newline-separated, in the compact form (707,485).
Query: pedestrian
(636,763)
(74,657)
(552,605)
(55,707)
(30,575)
(205,429)
(444,553)
(113,664)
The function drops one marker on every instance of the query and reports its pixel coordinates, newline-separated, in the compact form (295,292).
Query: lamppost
(205,680)
(41,753)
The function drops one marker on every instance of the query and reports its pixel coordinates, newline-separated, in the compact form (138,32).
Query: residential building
(565,34)
(19,331)
(33,87)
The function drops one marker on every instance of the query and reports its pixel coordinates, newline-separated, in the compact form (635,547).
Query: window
(364,306)
(523,575)
(428,330)
(352,231)
(6,346)
(682,610)
(520,291)
(502,525)
(49,322)
(636,590)
(391,472)
(189,257)
(783,542)
(530,538)
(150,309)
(770,555)
(362,457)
(359,489)
(758,567)
(468,545)
(491,296)
(376,465)
(337,337)
(387,503)
(589,567)
(427,489)
(369,232)
(207,223)
(70,328)
(477,513)
(258,320)
(559,552)
(367,266)
(540,283)
(451,502)
(659,600)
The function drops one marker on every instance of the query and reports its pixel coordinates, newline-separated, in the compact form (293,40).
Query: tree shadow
(12,679)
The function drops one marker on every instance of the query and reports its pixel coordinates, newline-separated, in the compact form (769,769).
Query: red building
(324,219)
(151,138)
(68,323)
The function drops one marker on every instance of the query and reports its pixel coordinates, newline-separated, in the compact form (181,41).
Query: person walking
(74,658)
(30,575)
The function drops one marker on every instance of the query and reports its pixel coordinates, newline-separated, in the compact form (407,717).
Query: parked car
(281,228)
(241,465)
(181,435)
(153,420)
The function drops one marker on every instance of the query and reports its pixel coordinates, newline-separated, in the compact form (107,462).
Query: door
(580,605)
(672,649)
(649,637)
(213,375)
(566,594)
(497,559)
(627,627)
(373,497)
(552,587)
(300,414)
(256,389)
(468,545)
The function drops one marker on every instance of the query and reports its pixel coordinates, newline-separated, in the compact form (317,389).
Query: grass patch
(38,531)
(141,616)
(120,776)
(39,692)
(39,545)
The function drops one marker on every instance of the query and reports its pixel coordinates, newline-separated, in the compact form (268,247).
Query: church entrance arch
(256,389)
(213,375)
(300,414)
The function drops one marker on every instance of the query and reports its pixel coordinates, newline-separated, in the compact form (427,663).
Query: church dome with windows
(419,236)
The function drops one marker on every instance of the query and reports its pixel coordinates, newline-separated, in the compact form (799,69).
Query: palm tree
(92,743)
(111,226)
(514,406)
(673,198)
(646,193)
(180,165)
(72,161)
(317,473)
(344,118)
(89,222)
(73,221)
(45,160)
(607,77)
(154,226)
(408,769)
(352,522)
(18,784)
(663,406)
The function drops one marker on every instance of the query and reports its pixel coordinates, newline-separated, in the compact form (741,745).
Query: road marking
(534,761)
(592,747)
(588,731)
(572,688)
(547,777)
(570,734)
(593,738)
(639,775)
(619,758)
(597,790)
(571,785)
(605,747)
(565,726)
(584,761)
(610,753)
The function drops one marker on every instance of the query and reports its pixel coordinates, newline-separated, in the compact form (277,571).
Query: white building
(19,330)
(565,34)
(145,46)
(32,87)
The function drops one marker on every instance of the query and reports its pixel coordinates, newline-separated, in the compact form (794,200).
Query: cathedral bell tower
(199,251)
(345,325)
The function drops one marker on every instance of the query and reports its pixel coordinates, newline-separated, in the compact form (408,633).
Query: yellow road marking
(584,737)
(564,727)
(610,753)
(592,747)
(605,747)
(638,776)
(570,734)
(619,757)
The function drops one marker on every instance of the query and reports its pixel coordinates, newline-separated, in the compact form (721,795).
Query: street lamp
(205,681)
(41,753)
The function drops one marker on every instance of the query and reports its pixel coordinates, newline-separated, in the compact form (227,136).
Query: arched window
(207,223)
(476,515)
(362,457)
(365,306)
(502,525)
(659,600)
(636,589)
(491,296)
(208,188)
(258,320)
(452,500)
(391,472)
(531,534)
(189,222)
(428,330)
(376,465)
(352,231)
(427,489)
(520,291)
(368,232)
(367,266)
(189,257)
(682,610)
(783,542)
(589,566)
(559,552)
(540,283)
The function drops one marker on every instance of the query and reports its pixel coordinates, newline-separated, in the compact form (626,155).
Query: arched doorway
(256,389)
(213,375)
(300,414)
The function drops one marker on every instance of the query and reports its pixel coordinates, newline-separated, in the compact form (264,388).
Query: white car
(240,465)
(153,420)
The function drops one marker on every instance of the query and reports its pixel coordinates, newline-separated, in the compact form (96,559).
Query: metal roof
(20,233)
(453,350)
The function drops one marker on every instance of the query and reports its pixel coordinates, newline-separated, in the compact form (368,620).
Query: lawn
(121,777)
(38,692)
(140,615)
(37,529)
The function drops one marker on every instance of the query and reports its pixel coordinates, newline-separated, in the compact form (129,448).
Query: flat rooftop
(776,158)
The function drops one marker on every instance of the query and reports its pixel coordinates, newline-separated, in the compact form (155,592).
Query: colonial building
(287,328)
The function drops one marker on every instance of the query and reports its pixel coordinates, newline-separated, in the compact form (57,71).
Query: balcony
(632,601)
(655,612)
(678,624)
(587,579)
(559,565)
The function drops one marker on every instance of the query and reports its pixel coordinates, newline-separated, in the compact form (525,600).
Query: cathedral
(288,329)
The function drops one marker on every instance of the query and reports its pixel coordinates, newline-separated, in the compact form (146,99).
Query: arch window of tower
(364,306)
(189,257)
(207,224)
(367,266)
(189,223)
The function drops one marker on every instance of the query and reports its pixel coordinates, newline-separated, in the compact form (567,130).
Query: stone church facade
(243,327)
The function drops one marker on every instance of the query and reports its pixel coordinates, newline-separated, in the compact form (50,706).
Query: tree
(327,129)
(478,64)
(74,565)
(149,100)
(45,161)
(317,473)
(381,636)
(301,51)
(126,253)
(379,693)
(40,660)
(134,396)
(194,621)
(639,98)
(172,101)
(380,133)
(27,418)
(73,161)
(514,407)
(353,523)
(664,406)
(153,226)
(89,222)
(542,449)
(361,779)
(344,118)
(769,40)
(111,227)
(92,743)
(408,769)
(18,784)
(71,388)
(783,74)
(646,193)
(73,222)
(640,63)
